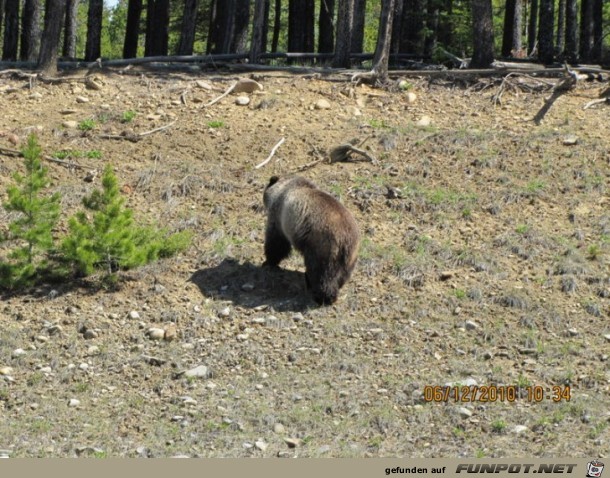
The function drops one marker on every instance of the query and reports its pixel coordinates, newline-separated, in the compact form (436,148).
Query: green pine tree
(110,240)
(32,230)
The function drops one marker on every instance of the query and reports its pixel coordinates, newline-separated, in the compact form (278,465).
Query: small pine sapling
(110,240)
(32,229)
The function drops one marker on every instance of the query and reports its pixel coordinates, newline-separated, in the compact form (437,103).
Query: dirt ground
(484,263)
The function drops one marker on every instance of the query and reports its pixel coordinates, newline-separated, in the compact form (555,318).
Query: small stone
(189,401)
(70,124)
(242,100)
(279,428)
(55,329)
(73,402)
(90,334)
(18,353)
(261,445)
(573,332)
(411,97)
(226,312)
(35,96)
(84,366)
(155,333)
(322,104)
(199,371)
(204,85)
(471,325)
(464,412)
(246,85)
(518,429)
(424,121)
(6,370)
(292,442)
(298,317)
(607,337)
(242,337)
(170,332)
(94,83)
(82,99)
(93,350)
(134,315)
(247,287)
(570,140)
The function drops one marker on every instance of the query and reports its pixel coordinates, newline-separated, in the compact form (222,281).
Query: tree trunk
(546,48)
(561,26)
(571,51)
(55,11)
(445,30)
(358,18)
(1,16)
(157,28)
(431,29)
(189,24)
(598,30)
(483,39)
(93,48)
(345,17)
(532,27)
(326,40)
(509,28)
(277,25)
(266,26)
(396,27)
(239,43)
(222,27)
(586,30)
(69,50)
(11,30)
(30,30)
(256,47)
(413,27)
(518,28)
(384,39)
(300,25)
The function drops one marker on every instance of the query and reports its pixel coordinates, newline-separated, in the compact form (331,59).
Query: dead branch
(69,164)
(135,137)
(596,102)
(10,152)
(271,154)
(217,99)
(565,85)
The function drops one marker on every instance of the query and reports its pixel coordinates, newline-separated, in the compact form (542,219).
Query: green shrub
(32,229)
(110,240)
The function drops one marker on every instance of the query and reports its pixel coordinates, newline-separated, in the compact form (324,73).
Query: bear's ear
(273,180)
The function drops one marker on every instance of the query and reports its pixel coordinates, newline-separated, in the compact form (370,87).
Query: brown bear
(302,216)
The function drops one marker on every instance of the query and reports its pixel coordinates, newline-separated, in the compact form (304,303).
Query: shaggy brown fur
(302,216)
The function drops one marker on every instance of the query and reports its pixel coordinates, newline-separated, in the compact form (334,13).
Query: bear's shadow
(249,285)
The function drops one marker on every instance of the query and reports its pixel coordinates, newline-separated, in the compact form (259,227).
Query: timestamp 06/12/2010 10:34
(496,393)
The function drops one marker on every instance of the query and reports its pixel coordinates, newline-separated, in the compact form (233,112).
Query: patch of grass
(498,426)
(593,252)
(128,116)
(76,153)
(459,293)
(522,228)
(216,124)
(378,124)
(87,125)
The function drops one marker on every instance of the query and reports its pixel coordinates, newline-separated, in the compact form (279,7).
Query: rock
(424,121)
(261,445)
(89,334)
(73,402)
(242,100)
(204,85)
(82,99)
(70,124)
(6,370)
(155,333)
(411,97)
(607,337)
(93,350)
(36,96)
(322,104)
(5,453)
(570,140)
(445,275)
(246,85)
(353,111)
(464,412)
(279,428)
(471,325)
(134,315)
(94,83)
(55,329)
(170,332)
(573,332)
(18,353)
(226,312)
(298,317)
(84,366)
(292,442)
(242,337)
(199,371)
(518,429)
